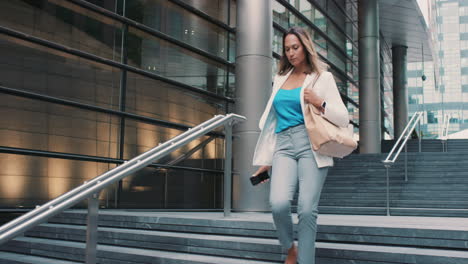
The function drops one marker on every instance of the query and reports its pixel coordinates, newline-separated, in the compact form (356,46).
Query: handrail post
(419,132)
(406,162)
(446,133)
(389,161)
(227,169)
(387,167)
(91,231)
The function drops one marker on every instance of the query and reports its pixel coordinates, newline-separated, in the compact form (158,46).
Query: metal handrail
(389,161)
(445,130)
(91,188)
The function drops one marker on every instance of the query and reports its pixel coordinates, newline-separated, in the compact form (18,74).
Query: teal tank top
(287,104)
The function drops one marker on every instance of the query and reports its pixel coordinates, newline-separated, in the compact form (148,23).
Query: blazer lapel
(282,80)
(308,80)
(276,86)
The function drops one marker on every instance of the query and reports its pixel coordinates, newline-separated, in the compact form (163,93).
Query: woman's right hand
(262,169)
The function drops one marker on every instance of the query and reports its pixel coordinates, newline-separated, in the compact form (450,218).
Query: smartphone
(259,178)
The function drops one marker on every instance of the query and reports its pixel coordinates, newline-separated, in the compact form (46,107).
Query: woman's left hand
(310,97)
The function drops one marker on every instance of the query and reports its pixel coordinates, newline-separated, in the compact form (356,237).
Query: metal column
(400,89)
(369,77)
(253,87)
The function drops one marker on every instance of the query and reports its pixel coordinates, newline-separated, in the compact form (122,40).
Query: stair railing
(90,189)
(401,142)
(444,134)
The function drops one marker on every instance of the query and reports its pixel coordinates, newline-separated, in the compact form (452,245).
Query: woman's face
(294,50)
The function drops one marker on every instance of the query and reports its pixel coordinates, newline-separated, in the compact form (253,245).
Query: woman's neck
(300,69)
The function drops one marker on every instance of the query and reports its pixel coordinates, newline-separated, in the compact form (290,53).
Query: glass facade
(97,82)
(444,93)
(172,70)
(386,89)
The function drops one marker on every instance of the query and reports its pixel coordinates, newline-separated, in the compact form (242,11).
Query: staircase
(429,145)
(352,226)
(437,185)
(152,237)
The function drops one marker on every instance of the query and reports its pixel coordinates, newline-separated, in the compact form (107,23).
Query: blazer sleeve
(335,110)
(267,109)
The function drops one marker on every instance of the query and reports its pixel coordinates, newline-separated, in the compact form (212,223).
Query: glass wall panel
(111,5)
(27,181)
(233,13)
(161,100)
(52,127)
(337,58)
(163,58)
(277,41)
(217,9)
(173,20)
(386,88)
(203,153)
(232,47)
(335,12)
(38,69)
(64,23)
(280,15)
(172,189)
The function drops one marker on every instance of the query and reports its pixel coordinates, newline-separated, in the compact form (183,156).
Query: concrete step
(456,196)
(263,247)
(108,254)
(349,253)
(326,253)
(381,210)
(15,258)
(397,180)
(408,189)
(197,243)
(435,145)
(363,230)
(138,239)
(397,203)
(433,212)
(437,156)
(377,168)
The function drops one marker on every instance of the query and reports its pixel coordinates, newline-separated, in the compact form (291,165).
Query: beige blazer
(335,112)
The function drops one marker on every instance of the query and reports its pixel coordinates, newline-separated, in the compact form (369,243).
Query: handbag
(327,138)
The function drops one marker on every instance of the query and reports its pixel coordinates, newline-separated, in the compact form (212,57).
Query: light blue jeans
(293,163)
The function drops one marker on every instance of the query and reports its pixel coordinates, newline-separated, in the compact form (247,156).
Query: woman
(284,146)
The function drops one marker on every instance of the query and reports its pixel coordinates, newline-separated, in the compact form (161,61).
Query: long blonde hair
(315,63)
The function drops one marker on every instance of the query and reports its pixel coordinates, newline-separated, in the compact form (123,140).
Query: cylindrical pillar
(400,89)
(369,77)
(253,87)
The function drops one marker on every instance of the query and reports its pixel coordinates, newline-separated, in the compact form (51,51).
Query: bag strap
(313,85)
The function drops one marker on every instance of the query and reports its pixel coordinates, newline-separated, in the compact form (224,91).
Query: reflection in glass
(163,58)
(173,20)
(172,189)
(217,9)
(161,100)
(62,22)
